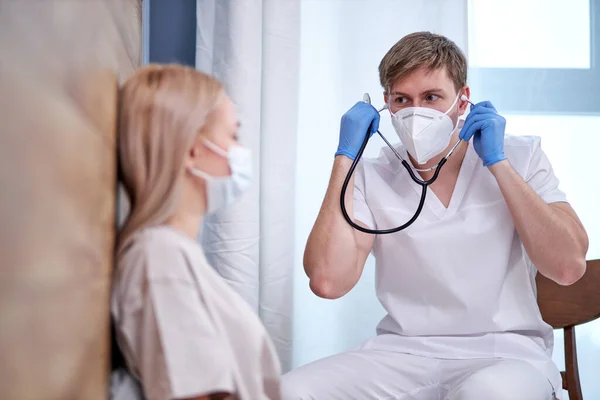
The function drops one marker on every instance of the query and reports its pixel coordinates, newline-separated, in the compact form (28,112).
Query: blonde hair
(162,108)
(423,49)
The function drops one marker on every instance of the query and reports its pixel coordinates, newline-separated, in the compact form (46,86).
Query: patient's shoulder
(159,254)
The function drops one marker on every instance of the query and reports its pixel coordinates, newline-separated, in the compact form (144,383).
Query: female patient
(183,331)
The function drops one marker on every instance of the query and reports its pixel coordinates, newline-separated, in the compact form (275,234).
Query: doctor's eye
(431,97)
(400,100)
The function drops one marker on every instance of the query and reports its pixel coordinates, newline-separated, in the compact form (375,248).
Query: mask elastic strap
(200,174)
(457,119)
(216,149)
(453,104)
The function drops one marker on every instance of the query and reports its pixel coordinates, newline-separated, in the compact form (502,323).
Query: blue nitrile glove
(362,117)
(487,127)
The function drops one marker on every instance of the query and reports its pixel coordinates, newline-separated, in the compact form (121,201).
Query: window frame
(548,90)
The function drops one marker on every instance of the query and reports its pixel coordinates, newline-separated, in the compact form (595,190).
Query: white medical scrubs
(458,288)
(183,331)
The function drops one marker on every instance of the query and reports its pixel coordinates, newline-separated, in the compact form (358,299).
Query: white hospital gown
(183,331)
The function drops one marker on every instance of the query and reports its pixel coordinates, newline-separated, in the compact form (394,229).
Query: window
(536,56)
(529,34)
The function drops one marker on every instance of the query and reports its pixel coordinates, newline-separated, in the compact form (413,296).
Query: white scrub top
(458,282)
(183,331)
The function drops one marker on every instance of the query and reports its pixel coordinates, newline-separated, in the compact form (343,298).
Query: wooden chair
(564,307)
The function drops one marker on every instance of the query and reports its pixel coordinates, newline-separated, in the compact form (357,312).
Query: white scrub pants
(382,375)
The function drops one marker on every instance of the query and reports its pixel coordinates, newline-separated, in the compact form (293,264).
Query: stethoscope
(423,183)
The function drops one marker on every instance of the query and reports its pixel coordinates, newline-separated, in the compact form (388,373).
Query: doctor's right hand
(362,117)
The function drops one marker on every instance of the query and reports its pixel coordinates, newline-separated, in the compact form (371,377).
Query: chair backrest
(563,306)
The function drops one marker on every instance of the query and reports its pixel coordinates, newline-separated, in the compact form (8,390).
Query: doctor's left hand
(486,127)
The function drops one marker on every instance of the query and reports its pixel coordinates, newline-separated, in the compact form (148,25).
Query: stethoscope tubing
(423,183)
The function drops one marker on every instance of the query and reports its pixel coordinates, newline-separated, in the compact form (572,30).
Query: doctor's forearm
(330,257)
(554,241)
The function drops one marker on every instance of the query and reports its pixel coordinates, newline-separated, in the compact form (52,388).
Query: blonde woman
(184,333)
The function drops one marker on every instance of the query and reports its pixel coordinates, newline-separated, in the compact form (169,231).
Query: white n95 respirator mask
(222,191)
(424,132)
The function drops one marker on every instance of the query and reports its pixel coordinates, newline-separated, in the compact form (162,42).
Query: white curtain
(252,47)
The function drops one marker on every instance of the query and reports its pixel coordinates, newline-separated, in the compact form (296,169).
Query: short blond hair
(423,49)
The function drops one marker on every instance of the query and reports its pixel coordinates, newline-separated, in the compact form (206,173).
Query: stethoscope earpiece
(367,99)
(465,98)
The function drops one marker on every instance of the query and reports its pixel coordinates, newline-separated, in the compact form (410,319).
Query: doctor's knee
(504,381)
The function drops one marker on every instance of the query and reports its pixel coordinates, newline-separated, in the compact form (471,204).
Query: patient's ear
(194,153)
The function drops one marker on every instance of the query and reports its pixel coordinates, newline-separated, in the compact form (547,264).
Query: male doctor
(459,284)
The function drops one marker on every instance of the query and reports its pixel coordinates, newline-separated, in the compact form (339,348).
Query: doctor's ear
(385,97)
(463,104)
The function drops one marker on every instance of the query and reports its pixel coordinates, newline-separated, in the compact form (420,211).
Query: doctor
(459,284)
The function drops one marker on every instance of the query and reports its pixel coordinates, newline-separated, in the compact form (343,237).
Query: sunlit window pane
(529,33)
